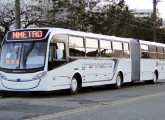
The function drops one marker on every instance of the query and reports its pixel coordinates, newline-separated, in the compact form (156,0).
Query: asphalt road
(138,101)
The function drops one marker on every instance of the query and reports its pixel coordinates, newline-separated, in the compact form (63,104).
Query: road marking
(45,117)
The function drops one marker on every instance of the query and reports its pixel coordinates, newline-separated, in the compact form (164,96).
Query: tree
(78,16)
(113,19)
(7,17)
(68,14)
(34,16)
(30,15)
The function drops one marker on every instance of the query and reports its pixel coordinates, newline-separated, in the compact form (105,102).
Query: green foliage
(114,20)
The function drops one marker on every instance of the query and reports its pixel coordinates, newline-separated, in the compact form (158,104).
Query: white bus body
(72,59)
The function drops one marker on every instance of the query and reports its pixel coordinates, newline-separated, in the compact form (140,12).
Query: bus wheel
(154,81)
(73,86)
(118,81)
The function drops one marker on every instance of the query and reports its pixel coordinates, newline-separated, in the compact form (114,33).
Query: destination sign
(29,34)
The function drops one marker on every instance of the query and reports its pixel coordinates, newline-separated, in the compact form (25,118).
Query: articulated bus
(48,59)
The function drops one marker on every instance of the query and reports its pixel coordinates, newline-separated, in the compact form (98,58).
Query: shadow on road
(63,93)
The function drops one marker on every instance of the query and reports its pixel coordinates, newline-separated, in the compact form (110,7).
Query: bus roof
(86,34)
(90,35)
(151,43)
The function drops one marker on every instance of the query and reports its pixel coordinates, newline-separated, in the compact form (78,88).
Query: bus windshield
(23,55)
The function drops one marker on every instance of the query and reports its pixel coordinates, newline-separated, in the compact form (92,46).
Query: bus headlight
(40,76)
(2,76)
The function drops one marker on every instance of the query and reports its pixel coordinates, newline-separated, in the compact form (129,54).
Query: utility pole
(17,14)
(154,19)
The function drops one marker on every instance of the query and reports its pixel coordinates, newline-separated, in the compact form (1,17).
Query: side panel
(100,71)
(58,75)
(148,66)
(93,70)
(161,69)
(135,59)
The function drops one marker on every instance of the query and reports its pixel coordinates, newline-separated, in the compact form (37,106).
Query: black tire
(155,78)
(118,83)
(74,86)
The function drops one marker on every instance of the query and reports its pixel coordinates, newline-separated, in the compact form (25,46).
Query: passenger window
(144,48)
(76,46)
(92,48)
(92,52)
(126,50)
(153,52)
(76,42)
(105,44)
(118,49)
(106,49)
(160,53)
(91,43)
(144,51)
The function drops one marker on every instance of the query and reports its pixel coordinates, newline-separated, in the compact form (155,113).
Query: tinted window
(153,52)
(106,53)
(92,52)
(126,50)
(76,46)
(153,48)
(76,42)
(118,49)
(105,44)
(144,51)
(144,48)
(92,48)
(160,53)
(92,43)
(77,52)
(106,49)
(160,50)
(117,46)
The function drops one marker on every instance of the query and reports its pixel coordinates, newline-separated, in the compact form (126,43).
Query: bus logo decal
(18,80)
(96,65)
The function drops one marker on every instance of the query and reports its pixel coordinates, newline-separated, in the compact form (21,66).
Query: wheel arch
(157,73)
(79,77)
(122,76)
